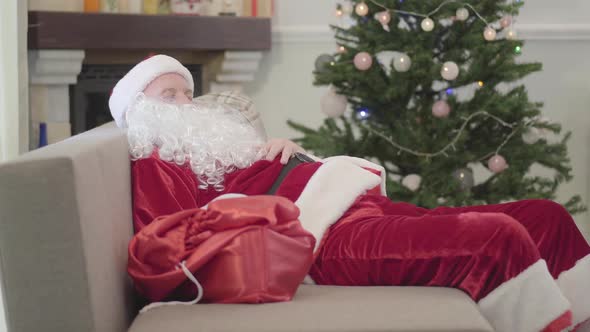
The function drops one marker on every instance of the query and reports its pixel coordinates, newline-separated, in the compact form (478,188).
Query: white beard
(214,139)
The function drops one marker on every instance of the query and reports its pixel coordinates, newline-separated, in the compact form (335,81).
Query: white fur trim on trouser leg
(528,302)
(330,191)
(364,163)
(575,285)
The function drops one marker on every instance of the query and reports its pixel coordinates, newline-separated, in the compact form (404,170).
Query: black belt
(296,159)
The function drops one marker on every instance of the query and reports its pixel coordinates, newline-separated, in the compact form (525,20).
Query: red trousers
(475,249)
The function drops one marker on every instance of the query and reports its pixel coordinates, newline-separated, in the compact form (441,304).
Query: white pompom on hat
(138,78)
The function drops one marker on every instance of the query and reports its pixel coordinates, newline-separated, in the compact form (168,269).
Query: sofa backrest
(65,222)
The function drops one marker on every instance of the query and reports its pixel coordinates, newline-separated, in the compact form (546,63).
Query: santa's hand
(283,146)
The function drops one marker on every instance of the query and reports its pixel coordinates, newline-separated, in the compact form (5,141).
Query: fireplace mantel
(86,31)
(228,49)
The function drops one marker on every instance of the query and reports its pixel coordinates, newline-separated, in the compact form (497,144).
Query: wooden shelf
(94,31)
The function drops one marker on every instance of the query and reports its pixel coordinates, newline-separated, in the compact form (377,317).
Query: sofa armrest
(65,222)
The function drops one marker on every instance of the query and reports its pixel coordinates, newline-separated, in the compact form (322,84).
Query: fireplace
(71,73)
(90,96)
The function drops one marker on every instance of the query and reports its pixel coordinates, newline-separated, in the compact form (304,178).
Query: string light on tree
(427,24)
(342,49)
(510,33)
(363,61)
(449,71)
(339,12)
(363,113)
(518,50)
(361,9)
(462,14)
(480,84)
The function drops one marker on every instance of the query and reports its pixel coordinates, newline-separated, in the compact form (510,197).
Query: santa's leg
(560,243)
(490,256)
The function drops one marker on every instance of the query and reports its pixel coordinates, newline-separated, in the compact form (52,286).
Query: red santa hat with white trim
(138,78)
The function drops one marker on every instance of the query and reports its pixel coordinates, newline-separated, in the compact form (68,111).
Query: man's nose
(184,100)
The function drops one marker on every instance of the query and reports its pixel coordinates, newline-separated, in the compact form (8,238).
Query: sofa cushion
(326,309)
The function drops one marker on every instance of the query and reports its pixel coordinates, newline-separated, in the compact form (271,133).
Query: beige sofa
(65,220)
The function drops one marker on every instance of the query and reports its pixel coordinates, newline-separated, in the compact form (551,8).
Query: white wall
(559,37)
(13,82)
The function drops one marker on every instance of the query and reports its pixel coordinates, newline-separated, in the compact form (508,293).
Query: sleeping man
(524,263)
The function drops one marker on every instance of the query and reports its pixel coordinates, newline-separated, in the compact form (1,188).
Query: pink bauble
(506,21)
(441,109)
(497,164)
(363,61)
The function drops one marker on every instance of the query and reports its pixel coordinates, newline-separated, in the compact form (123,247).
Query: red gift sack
(241,250)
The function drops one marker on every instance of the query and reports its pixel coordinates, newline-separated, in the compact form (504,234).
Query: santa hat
(138,78)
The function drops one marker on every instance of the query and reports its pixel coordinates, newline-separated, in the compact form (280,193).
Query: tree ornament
(323,61)
(427,24)
(489,34)
(361,9)
(333,104)
(402,63)
(462,14)
(441,109)
(497,164)
(449,71)
(363,61)
(412,182)
(465,178)
(384,18)
(506,21)
(511,34)
(531,136)
(347,8)
(363,113)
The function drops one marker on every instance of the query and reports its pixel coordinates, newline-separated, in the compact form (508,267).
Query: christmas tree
(434,91)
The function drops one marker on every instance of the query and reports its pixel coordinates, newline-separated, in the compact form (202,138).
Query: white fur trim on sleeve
(331,190)
(528,302)
(364,163)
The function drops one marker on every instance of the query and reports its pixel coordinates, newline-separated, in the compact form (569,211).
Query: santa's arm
(160,188)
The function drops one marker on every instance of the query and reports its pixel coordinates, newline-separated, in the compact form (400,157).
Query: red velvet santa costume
(526,264)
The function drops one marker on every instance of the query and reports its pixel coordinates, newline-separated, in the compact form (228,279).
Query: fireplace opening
(89,98)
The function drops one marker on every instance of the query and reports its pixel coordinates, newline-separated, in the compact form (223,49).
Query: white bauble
(412,182)
(489,34)
(333,104)
(462,14)
(402,63)
(449,71)
(427,24)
